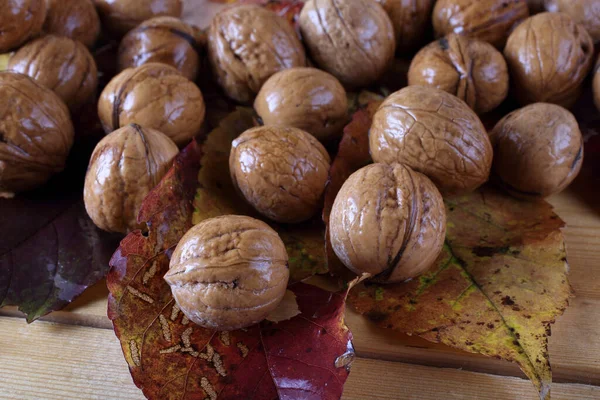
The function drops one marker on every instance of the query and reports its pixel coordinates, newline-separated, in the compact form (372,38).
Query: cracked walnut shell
(125,166)
(538,150)
(155,96)
(471,69)
(353,40)
(388,221)
(247,44)
(121,16)
(229,272)
(20,20)
(281,171)
(36,133)
(434,133)
(411,18)
(75,19)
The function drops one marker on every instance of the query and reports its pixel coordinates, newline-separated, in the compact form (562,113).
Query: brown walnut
(584,12)
(167,40)
(155,96)
(353,40)
(20,20)
(548,57)
(388,221)
(470,69)
(36,133)
(434,133)
(304,98)
(487,20)
(247,44)
(125,165)
(229,272)
(538,150)
(281,171)
(61,64)
(411,18)
(75,19)
(121,16)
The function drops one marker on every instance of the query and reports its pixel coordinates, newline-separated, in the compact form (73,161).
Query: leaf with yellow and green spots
(495,290)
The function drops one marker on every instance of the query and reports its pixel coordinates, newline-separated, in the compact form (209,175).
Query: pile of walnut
(427,140)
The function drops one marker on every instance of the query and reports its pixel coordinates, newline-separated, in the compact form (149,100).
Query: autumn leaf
(495,289)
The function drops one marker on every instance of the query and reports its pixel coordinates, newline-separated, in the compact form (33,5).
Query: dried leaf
(495,289)
(4,61)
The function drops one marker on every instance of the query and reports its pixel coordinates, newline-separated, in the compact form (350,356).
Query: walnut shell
(549,57)
(488,20)
(410,19)
(61,64)
(121,16)
(584,12)
(470,69)
(167,40)
(281,171)
(155,96)
(36,133)
(388,221)
(247,44)
(434,133)
(304,98)
(538,150)
(75,19)
(20,20)
(125,166)
(354,40)
(229,272)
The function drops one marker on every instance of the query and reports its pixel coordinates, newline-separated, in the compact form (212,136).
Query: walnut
(281,171)
(538,150)
(229,272)
(410,19)
(470,69)
(61,64)
(247,44)
(584,12)
(76,19)
(155,96)
(166,40)
(549,57)
(388,221)
(353,40)
(304,98)
(121,16)
(20,20)
(434,133)
(36,133)
(124,167)
(488,20)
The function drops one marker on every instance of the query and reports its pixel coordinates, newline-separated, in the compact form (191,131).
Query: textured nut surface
(410,19)
(548,57)
(304,98)
(229,272)
(388,221)
(61,64)
(353,40)
(155,96)
(584,12)
(538,150)
(124,167)
(166,40)
(36,133)
(75,19)
(247,44)
(488,20)
(20,20)
(471,69)
(434,133)
(120,16)
(281,171)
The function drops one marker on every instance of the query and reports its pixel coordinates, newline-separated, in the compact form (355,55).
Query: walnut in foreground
(20,21)
(75,19)
(228,272)
(124,167)
(120,16)
(388,221)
